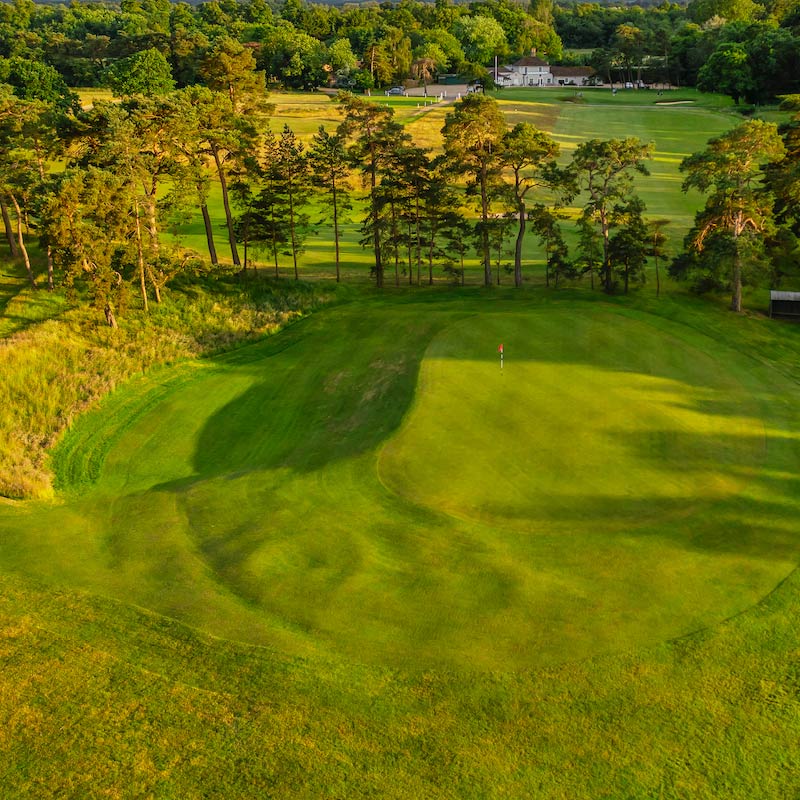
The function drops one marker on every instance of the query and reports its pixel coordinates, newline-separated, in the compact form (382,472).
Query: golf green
(369,485)
(595,423)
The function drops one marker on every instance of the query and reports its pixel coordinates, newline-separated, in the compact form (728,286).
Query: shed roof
(774,295)
(571,72)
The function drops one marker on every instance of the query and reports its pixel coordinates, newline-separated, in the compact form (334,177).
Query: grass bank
(451,586)
(57,362)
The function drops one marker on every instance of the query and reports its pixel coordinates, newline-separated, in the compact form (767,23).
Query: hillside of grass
(58,360)
(342,554)
(418,635)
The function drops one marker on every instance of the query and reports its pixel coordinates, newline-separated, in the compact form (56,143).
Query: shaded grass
(21,305)
(488,527)
(59,368)
(289,426)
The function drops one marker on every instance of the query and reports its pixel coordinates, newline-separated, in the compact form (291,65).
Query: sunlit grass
(464,577)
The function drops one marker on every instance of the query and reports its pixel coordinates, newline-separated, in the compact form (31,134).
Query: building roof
(571,72)
(773,295)
(530,61)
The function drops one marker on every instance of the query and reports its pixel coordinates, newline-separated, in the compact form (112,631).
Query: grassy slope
(20,305)
(57,361)
(172,713)
(97,697)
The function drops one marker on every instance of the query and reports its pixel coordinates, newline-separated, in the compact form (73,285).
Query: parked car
(396,90)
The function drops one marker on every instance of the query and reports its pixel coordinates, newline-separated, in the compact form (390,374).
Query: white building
(532,71)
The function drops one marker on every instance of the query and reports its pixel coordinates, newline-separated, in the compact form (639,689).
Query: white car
(396,90)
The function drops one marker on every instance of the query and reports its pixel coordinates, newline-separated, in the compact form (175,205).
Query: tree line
(99,187)
(295,44)
(742,48)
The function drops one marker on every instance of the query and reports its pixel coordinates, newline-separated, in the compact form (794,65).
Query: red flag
(500,349)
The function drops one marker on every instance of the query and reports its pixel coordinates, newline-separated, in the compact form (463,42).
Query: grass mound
(620,483)
(414,651)
(55,366)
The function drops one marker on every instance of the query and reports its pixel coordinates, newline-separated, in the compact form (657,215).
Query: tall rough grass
(53,371)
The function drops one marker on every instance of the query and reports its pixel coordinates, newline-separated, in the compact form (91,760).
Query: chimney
(533,51)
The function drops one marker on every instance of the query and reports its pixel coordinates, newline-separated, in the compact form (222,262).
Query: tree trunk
(21,242)
(418,238)
(336,228)
(396,238)
(487,262)
(518,246)
(212,248)
(606,264)
(156,287)
(140,258)
(152,221)
(111,320)
(376,234)
(51,282)
(9,230)
(547,266)
(410,254)
(274,241)
(736,299)
(292,231)
(152,231)
(223,182)
(50,268)
(658,279)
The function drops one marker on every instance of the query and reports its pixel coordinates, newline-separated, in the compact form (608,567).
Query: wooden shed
(784,304)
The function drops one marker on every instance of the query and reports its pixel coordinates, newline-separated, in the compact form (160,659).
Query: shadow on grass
(343,386)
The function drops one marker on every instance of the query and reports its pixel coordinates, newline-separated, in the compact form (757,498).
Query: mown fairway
(370,484)
(431,550)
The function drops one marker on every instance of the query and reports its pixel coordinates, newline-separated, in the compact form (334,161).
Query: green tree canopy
(482,38)
(727,71)
(738,207)
(146,72)
(473,139)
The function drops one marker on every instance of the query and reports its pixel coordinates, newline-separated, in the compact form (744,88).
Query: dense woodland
(740,47)
(99,188)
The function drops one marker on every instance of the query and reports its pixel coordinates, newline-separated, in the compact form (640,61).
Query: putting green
(369,485)
(596,422)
